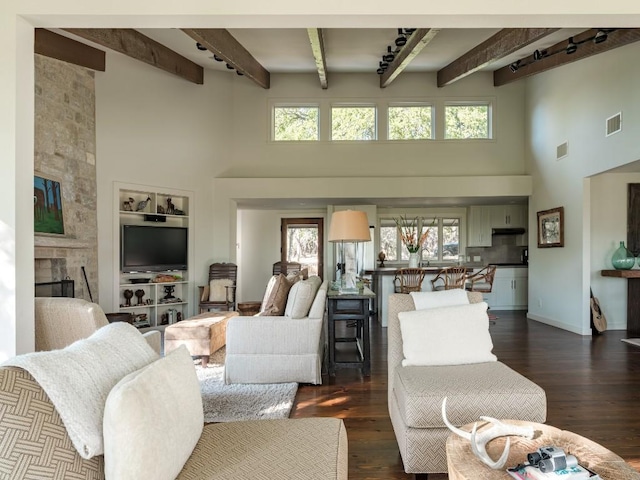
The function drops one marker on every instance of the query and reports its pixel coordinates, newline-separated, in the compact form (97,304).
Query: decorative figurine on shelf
(127,205)
(381,257)
(168,290)
(160,209)
(128,294)
(171,208)
(177,211)
(164,319)
(143,204)
(179,317)
(139,295)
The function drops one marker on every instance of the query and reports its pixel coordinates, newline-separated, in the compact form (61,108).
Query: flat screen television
(153,249)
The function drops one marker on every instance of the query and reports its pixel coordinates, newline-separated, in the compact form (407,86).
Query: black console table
(353,307)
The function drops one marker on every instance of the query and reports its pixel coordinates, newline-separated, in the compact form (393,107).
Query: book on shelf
(528,472)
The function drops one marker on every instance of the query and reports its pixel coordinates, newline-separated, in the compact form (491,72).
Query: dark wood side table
(633,297)
(350,307)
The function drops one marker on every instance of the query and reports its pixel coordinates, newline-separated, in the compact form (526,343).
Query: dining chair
(482,280)
(286,268)
(449,278)
(408,280)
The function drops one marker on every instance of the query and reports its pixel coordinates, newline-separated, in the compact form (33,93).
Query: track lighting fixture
(384,65)
(409,31)
(229,67)
(539,55)
(600,36)
(216,58)
(571,47)
(200,47)
(401,41)
(239,73)
(389,56)
(515,66)
(380,71)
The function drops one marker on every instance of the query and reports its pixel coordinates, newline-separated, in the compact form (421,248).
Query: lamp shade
(349,226)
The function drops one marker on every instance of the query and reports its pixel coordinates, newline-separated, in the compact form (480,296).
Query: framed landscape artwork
(551,228)
(48,218)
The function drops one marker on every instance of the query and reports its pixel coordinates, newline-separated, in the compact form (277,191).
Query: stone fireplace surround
(65,149)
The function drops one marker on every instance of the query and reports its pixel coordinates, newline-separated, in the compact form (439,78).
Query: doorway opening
(302,241)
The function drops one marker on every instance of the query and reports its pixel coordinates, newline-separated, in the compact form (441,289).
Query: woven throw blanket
(78,378)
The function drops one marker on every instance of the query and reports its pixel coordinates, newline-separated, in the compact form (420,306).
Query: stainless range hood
(508,231)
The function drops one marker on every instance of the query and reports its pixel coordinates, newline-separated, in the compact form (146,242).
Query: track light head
(389,56)
(239,73)
(539,55)
(384,65)
(515,66)
(571,47)
(200,47)
(409,31)
(216,58)
(380,71)
(600,36)
(229,67)
(401,41)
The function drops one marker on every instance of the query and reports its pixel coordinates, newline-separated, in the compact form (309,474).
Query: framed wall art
(551,228)
(48,214)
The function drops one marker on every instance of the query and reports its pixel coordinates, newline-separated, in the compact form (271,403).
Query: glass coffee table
(464,465)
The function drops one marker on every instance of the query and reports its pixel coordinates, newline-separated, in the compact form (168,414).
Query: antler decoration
(479,440)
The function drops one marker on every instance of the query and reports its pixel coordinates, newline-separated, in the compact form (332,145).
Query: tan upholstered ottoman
(203,334)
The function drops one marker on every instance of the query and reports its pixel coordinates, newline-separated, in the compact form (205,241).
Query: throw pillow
(218,289)
(276,296)
(301,297)
(153,419)
(441,298)
(455,335)
(78,378)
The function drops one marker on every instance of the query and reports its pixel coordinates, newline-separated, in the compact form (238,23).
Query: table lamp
(349,228)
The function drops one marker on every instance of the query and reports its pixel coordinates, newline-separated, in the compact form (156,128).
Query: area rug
(632,341)
(230,403)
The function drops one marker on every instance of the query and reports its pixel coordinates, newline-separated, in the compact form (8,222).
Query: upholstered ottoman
(202,335)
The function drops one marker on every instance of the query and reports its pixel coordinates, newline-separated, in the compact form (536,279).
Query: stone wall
(65,149)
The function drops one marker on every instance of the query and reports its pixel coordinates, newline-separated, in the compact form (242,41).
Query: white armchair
(60,321)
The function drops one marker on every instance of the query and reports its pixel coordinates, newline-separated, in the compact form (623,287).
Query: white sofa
(277,349)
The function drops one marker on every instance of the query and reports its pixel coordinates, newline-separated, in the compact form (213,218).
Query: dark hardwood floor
(592,386)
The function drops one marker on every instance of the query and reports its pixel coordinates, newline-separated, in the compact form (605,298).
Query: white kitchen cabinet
(510,289)
(479,227)
(508,216)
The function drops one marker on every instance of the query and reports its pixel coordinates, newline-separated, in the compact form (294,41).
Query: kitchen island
(510,287)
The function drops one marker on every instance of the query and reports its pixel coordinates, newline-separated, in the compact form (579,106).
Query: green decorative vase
(622,258)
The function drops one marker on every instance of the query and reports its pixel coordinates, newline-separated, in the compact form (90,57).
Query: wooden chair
(482,280)
(224,300)
(449,278)
(408,280)
(286,268)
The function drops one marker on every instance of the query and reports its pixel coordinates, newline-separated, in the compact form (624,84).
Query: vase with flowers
(408,230)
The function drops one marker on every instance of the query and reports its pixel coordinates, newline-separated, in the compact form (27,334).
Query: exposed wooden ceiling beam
(225,46)
(136,45)
(503,43)
(317,47)
(56,46)
(557,56)
(416,42)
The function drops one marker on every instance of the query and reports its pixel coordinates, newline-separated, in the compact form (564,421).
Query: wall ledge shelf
(621,273)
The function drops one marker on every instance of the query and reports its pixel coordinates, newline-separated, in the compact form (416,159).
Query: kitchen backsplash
(503,250)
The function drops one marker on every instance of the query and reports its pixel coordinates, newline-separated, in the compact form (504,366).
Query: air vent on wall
(562,150)
(614,124)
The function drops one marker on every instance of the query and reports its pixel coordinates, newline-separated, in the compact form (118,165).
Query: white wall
(571,104)
(158,130)
(256,156)
(608,229)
